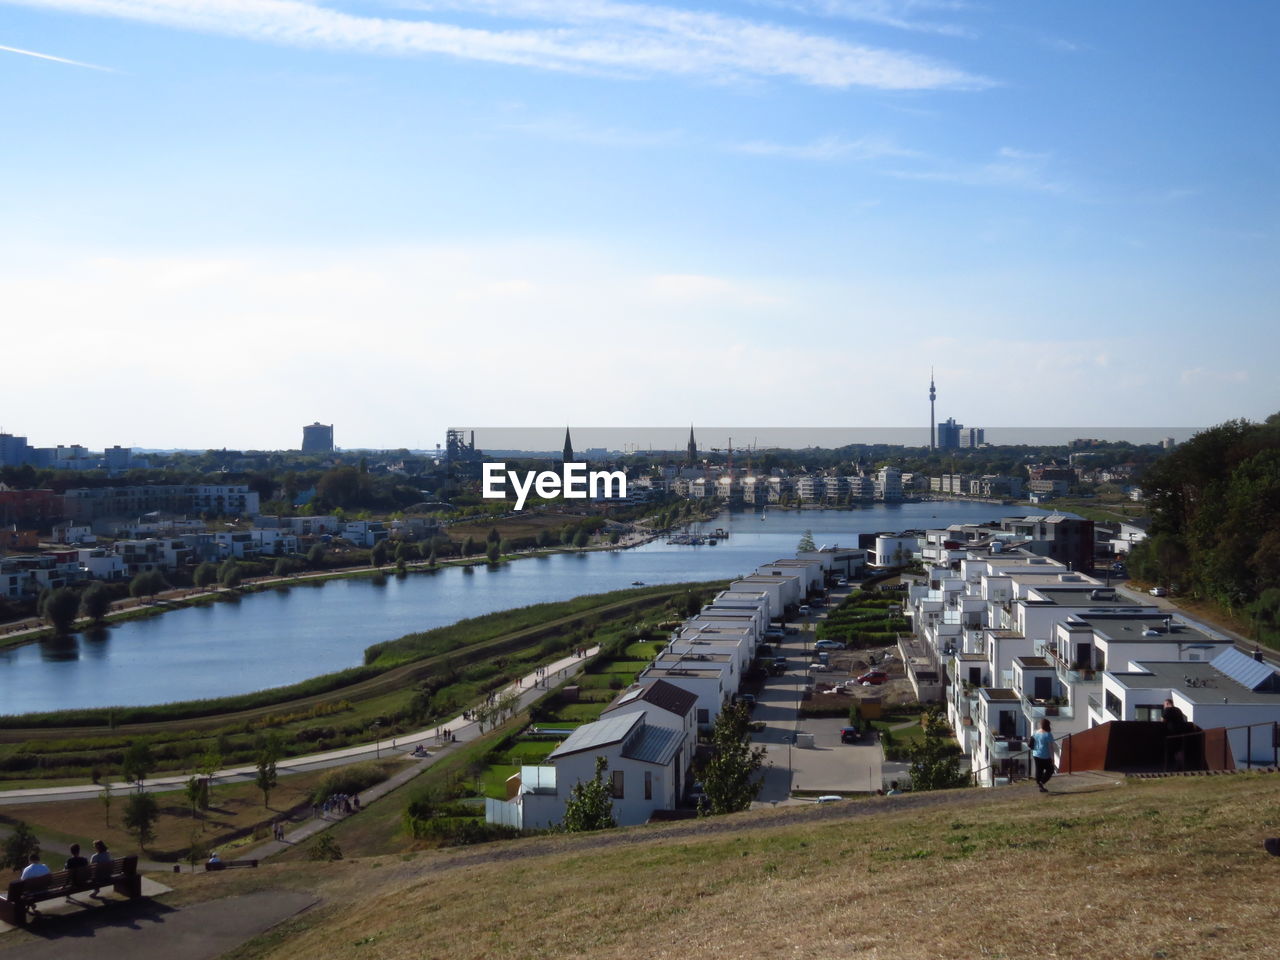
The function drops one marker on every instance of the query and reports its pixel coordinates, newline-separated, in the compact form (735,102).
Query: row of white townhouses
(649,734)
(1009,638)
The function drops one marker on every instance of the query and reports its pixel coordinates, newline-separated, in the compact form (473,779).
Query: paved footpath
(529,688)
(457,730)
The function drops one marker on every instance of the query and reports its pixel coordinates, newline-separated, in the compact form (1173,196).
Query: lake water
(280,637)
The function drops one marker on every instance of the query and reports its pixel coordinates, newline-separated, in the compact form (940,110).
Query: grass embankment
(236,811)
(446,669)
(1165,869)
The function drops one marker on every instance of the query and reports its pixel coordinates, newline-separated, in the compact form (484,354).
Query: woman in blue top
(1042,753)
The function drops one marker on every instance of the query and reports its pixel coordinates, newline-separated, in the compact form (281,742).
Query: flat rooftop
(1033,663)
(1208,684)
(1129,628)
(999,695)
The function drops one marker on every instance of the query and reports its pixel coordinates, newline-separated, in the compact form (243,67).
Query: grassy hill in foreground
(1153,869)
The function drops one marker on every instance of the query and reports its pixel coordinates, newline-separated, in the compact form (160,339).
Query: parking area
(828,766)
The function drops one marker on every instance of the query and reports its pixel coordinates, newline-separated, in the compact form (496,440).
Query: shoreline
(183,597)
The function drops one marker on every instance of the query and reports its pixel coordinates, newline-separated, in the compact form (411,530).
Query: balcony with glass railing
(1002,748)
(1037,710)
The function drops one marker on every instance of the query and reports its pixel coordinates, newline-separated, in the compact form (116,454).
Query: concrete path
(148,930)
(529,688)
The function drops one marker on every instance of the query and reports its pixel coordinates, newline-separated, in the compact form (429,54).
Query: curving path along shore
(529,688)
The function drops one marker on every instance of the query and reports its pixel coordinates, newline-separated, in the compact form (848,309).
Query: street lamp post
(377,724)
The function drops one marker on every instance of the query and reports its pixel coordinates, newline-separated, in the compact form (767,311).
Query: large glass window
(617,785)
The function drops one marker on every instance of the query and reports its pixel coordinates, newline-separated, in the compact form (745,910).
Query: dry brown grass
(235,808)
(1151,869)
(513,527)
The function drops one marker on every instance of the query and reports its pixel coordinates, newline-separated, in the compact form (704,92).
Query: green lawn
(624,667)
(644,649)
(577,713)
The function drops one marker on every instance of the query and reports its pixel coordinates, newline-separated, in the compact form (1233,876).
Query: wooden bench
(121,875)
(229,864)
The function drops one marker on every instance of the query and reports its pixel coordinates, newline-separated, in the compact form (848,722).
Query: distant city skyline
(718,438)
(227,220)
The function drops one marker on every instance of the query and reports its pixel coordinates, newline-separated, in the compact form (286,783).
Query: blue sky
(224,218)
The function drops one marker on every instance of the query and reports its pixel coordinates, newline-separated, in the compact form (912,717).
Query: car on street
(1158,592)
(818,668)
(850,734)
(873,677)
(842,582)
(828,645)
(805,610)
(748,699)
(829,798)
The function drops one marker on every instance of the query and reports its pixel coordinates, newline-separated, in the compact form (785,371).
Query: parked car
(818,668)
(873,677)
(850,734)
(792,631)
(829,798)
(842,582)
(805,610)
(749,699)
(1158,592)
(828,645)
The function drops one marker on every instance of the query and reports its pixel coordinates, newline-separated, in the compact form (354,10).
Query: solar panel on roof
(1242,668)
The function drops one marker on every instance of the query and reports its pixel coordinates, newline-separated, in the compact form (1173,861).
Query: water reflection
(240,645)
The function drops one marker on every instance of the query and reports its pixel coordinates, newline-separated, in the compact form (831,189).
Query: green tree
(137,763)
(95,602)
(729,777)
(18,847)
(230,575)
(194,789)
(590,804)
(266,778)
(581,538)
(493,536)
(315,556)
(468,546)
(105,797)
(140,814)
(206,575)
(806,544)
(935,759)
(493,553)
(147,584)
(60,606)
(378,555)
(614,536)
(543,538)
(567,534)
(431,557)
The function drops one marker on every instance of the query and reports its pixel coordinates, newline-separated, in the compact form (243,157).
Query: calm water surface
(281,637)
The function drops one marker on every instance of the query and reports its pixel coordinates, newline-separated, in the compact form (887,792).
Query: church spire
(568,447)
(692,453)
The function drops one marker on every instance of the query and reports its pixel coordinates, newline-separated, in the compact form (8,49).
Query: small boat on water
(637,583)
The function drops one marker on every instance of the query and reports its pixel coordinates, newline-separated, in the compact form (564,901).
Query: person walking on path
(1042,754)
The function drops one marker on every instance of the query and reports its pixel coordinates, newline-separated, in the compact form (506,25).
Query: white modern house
(645,763)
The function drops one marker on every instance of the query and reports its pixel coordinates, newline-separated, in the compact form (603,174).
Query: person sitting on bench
(35,869)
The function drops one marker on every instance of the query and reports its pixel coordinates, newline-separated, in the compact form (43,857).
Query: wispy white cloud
(898,14)
(828,148)
(588,36)
(1011,168)
(49,56)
